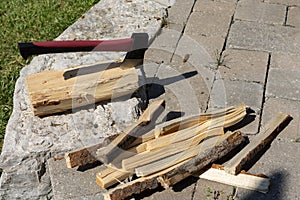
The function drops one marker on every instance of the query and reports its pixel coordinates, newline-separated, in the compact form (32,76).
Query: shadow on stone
(276,187)
(89,166)
(250,117)
(173,115)
(178,187)
(146,193)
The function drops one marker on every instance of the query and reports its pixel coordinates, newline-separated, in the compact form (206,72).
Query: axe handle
(36,48)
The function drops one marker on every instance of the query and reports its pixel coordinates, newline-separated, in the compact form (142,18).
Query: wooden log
(148,157)
(182,123)
(172,160)
(242,180)
(121,143)
(226,144)
(265,137)
(205,158)
(55,91)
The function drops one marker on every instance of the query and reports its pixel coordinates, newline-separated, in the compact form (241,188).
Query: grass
(24,21)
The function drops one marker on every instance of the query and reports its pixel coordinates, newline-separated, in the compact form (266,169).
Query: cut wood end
(68,161)
(99,180)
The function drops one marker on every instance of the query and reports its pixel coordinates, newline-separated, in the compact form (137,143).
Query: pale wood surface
(56,91)
(247,181)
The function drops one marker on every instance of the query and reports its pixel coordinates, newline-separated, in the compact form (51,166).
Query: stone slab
(71,183)
(293,18)
(209,23)
(286,2)
(30,141)
(163,47)
(285,61)
(183,88)
(226,93)
(283,83)
(178,14)
(244,65)
(274,105)
(257,11)
(263,37)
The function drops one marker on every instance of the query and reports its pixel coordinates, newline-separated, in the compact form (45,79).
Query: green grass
(24,21)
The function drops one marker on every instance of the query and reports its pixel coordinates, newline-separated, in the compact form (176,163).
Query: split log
(180,157)
(223,121)
(228,142)
(205,158)
(111,176)
(121,143)
(265,137)
(182,123)
(148,157)
(55,91)
(89,154)
(243,180)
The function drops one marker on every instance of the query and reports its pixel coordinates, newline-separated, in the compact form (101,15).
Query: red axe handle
(128,44)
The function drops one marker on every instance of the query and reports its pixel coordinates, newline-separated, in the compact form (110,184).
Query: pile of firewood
(177,149)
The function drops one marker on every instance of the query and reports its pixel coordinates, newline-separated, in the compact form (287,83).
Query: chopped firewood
(265,137)
(180,171)
(89,154)
(121,143)
(226,121)
(86,155)
(55,91)
(148,157)
(208,156)
(242,180)
(177,124)
(179,157)
(111,176)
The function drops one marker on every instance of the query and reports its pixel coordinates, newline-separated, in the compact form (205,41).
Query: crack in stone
(264,93)
(183,29)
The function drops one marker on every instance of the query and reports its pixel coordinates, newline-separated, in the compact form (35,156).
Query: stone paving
(215,53)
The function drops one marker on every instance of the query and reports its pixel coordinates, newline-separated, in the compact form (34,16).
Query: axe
(135,46)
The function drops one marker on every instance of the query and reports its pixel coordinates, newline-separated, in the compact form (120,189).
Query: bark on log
(205,158)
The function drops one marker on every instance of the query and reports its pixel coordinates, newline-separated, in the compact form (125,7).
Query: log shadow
(277,185)
(250,117)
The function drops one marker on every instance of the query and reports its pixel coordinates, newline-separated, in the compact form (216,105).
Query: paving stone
(163,47)
(179,13)
(211,190)
(244,65)
(285,2)
(209,23)
(71,183)
(285,61)
(274,105)
(263,37)
(257,11)
(284,83)
(186,91)
(293,18)
(278,163)
(183,190)
(227,93)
